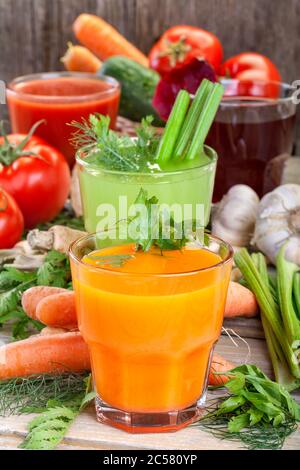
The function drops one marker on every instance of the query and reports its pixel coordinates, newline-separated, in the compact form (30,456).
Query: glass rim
(229,101)
(213,155)
(213,238)
(115,86)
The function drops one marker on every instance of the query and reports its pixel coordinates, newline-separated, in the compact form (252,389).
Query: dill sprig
(106,148)
(48,429)
(32,394)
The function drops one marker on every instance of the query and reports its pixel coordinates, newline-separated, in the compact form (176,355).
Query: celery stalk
(280,366)
(296,293)
(285,274)
(173,126)
(207,116)
(282,373)
(261,265)
(186,133)
(268,305)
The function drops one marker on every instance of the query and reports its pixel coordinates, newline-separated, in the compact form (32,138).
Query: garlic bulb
(291,171)
(234,217)
(278,222)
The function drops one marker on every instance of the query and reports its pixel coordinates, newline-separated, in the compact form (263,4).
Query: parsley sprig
(55,271)
(155,228)
(259,412)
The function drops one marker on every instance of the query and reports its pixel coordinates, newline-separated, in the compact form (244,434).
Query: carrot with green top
(104,40)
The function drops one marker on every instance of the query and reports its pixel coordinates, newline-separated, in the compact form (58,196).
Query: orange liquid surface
(24,112)
(151,336)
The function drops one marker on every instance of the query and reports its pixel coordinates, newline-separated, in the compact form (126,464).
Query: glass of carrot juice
(151,320)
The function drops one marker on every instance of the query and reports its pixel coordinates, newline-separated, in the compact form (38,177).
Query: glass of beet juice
(254,125)
(59,98)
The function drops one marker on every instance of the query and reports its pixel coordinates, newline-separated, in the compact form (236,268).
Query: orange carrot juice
(150,321)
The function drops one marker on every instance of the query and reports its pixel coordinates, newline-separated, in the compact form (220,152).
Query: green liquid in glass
(191,185)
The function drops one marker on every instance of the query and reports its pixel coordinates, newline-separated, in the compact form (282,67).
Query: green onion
(205,121)
(296,293)
(258,282)
(186,133)
(173,127)
(280,366)
(285,275)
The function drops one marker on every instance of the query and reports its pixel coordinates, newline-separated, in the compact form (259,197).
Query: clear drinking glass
(150,336)
(101,189)
(254,125)
(59,98)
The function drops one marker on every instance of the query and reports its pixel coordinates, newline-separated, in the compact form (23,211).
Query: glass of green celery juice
(108,194)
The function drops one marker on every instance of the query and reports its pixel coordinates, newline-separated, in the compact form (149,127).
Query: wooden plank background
(34,33)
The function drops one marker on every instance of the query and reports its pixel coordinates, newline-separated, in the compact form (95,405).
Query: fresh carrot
(58,311)
(67,352)
(49,330)
(44,354)
(31,297)
(104,40)
(80,59)
(219,364)
(241,302)
(53,306)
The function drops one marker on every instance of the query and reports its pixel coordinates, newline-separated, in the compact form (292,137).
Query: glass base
(148,422)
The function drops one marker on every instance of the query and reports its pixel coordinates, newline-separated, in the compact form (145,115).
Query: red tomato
(251,68)
(36,175)
(179,44)
(11,221)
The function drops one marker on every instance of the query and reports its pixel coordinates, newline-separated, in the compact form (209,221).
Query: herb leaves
(48,429)
(154,227)
(106,148)
(54,272)
(259,412)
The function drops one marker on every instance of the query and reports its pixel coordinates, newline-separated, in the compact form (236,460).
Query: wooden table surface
(87,434)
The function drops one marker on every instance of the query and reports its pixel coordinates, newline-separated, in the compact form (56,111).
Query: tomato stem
(9,152)
(176,51)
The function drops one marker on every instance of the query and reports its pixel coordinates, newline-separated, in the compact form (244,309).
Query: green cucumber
(138,85)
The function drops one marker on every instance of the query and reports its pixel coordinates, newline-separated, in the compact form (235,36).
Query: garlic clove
(278,222)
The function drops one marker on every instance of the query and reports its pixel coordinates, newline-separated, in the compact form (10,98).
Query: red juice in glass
(59,98)
(253,126)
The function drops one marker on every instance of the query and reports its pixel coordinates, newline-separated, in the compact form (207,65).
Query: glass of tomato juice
(151,320)
(59,98)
